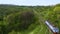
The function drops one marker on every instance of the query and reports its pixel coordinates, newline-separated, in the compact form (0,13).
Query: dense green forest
(28,19)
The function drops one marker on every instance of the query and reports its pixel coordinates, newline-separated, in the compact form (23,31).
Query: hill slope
(10,17)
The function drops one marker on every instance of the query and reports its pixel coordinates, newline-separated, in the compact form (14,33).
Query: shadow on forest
(21,23)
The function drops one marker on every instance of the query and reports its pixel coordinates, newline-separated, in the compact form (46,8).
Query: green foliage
(27,19)
(54,16)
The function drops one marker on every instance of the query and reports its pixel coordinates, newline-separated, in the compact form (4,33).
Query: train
(54,29)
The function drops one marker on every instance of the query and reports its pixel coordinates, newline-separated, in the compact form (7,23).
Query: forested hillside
(28,19)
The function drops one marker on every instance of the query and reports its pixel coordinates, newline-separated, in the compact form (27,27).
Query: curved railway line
(52,29)
(43,30)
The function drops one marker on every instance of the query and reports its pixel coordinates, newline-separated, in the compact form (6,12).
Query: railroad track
(45,28)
